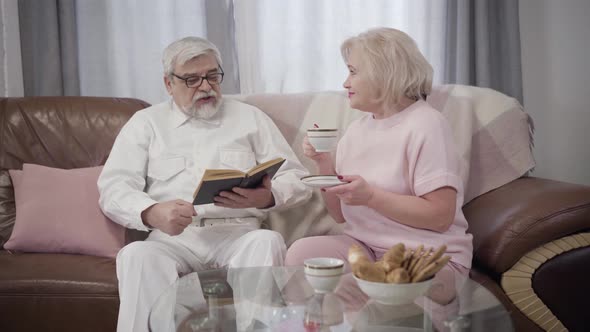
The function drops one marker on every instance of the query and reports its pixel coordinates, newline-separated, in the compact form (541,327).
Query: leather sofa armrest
(522,215)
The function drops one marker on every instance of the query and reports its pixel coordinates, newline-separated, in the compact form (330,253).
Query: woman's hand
(356,192)
(310,152)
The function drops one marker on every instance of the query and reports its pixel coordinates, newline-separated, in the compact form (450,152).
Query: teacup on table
(323,273)
(323,139)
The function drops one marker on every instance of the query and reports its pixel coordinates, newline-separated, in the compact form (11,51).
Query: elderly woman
(399,160)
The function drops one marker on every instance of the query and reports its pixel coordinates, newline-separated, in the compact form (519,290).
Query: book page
(264,165)
(254,179)
(213,174)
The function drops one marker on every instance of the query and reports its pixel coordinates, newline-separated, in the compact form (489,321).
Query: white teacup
(323,273)
(323,139)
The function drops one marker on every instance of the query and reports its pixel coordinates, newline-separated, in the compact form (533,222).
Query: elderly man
(157,161)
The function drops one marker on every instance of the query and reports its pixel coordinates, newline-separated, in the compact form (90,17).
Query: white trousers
(145,269)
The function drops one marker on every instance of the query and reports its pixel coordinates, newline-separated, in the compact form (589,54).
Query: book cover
(215,181)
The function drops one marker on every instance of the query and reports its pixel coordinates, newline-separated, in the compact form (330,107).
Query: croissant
(398,276)
(394,257)
(363,267)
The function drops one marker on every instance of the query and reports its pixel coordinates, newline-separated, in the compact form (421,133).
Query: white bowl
(391,293)
(323,273)
(323,140)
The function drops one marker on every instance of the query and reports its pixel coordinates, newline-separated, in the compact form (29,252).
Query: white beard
(205,111)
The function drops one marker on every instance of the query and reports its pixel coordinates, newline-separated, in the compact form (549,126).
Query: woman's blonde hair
(393,64)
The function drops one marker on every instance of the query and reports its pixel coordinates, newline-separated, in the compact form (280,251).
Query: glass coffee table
(281,299)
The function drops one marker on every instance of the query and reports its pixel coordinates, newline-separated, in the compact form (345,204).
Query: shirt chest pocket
(241,160)
(163,169)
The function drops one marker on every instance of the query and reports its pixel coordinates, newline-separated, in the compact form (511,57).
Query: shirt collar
(179,117)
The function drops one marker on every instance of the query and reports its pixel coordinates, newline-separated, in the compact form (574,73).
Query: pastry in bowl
(400,276)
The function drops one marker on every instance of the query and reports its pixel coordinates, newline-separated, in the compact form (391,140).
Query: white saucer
(321,181)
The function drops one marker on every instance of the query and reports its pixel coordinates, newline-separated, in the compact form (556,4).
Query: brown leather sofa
(56,292)
(531,240)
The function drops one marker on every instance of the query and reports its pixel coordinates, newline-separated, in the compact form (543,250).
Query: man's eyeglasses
(195,81)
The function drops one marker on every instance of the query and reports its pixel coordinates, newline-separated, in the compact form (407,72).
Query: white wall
(555,41)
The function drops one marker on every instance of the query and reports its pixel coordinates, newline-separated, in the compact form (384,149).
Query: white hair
(186,49)
(393,64)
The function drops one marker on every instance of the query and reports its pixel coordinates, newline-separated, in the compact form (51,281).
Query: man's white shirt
(161,154)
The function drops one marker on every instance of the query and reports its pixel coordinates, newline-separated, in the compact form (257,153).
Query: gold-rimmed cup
(323,139)
(323,273)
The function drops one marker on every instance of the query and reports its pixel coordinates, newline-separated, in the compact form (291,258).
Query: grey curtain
(483,45)
(220,31)
(50,55)
(481,36)
(49,47)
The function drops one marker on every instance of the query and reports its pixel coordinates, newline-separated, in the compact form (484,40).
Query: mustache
(200,95)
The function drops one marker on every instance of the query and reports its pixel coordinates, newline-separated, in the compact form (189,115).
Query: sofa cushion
(58,274)
(57,292)
(57,211)
(65,132)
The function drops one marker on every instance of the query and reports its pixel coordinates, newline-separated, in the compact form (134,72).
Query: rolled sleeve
(437,181)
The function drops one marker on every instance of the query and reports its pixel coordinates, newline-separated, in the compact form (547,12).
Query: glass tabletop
(281,299)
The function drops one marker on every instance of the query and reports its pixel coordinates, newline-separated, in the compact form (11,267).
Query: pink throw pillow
(57,212)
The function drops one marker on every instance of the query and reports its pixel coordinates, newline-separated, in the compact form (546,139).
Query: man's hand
(240,198)
(170,217)
(356,192)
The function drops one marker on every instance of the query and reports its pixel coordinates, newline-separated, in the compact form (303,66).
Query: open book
(215,181)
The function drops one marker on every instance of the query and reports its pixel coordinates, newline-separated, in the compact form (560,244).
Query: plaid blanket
(492,133)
